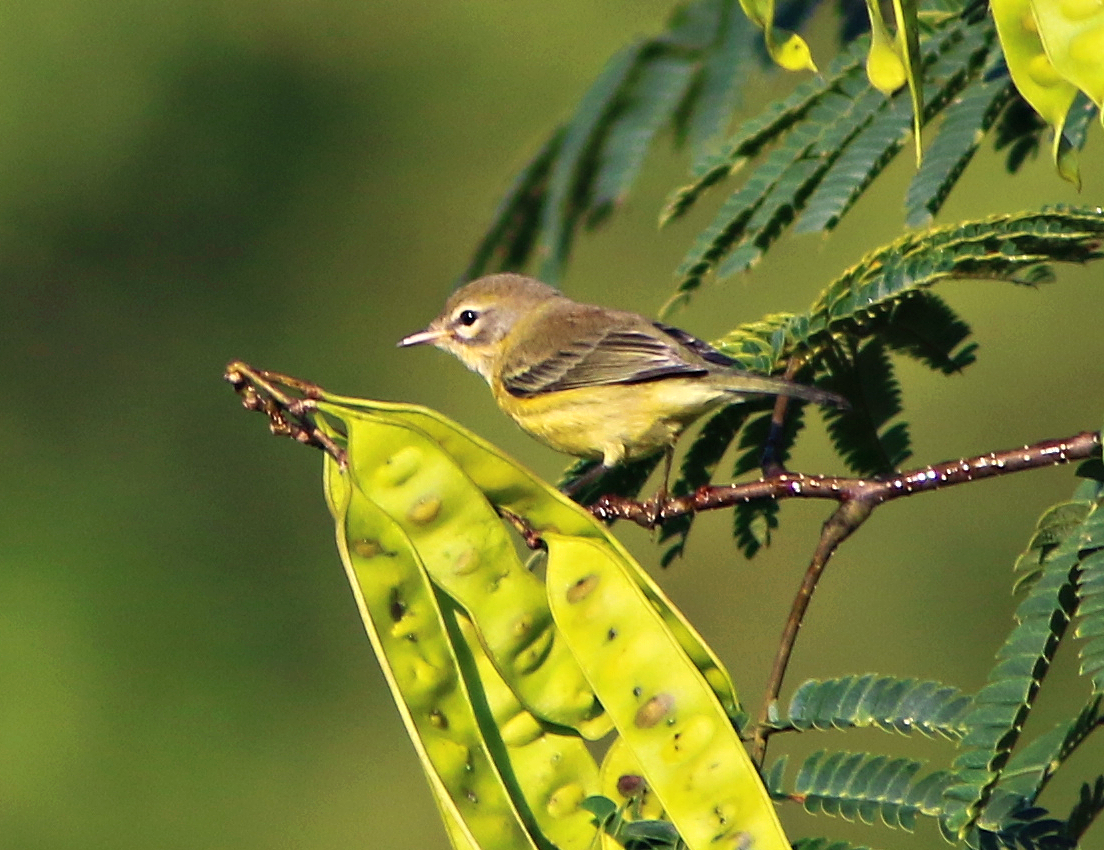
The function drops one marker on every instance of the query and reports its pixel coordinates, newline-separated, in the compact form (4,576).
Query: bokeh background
(298,184)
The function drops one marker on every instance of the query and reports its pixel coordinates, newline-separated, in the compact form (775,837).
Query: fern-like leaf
(1001,707)
(861,435)
(516,222)
(864,787)
(1090,591)
(1053,528)
(1008,247)
(753,522)
(1089,805)
(567,180)
(1091,615)
(1031,767)
(965,122)
(660,86)
(884,702)
(756,133)
(716,92)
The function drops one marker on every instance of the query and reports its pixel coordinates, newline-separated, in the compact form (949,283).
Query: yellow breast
(613,422)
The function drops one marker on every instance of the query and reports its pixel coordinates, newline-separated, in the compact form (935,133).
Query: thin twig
(288,416)
(795,485)
(837,528)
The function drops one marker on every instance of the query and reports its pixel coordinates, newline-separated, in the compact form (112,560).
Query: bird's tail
(748,382)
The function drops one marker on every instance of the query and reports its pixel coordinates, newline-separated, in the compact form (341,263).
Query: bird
(589,381)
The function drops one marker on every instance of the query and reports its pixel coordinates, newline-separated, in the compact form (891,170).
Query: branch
(875,491)
(837,528)
(288,416)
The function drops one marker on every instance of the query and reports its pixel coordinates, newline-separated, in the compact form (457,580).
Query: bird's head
(478,317)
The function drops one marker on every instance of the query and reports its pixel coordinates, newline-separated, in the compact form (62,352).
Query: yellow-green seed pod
(884,67)
(468,553)
(511,487)
(662,707)
(1032,71)
(787,49)
(621,779)
(554,770)
(1072,32)
(399,607)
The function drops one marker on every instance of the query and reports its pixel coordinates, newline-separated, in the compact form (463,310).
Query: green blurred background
(297,184)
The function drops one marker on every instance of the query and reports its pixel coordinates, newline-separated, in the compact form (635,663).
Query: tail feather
(748,382)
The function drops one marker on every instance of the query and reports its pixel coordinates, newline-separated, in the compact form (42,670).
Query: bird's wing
(619,353)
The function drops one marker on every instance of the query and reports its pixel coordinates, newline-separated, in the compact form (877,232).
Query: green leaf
(1003,705)
(698,465)
(569,174)
(965,122)
(1090,612)
(717,88)
(955,56)
(516,223)
(659,86)
(756,133)
(1089,805)
(925,328)
(861,435)
(754,521)
(884,702)
(866,787)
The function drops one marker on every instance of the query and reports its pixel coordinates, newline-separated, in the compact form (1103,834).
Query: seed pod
(468,553)
(621,779)
(1072,31)
(661,705)
(510,486)
(555,771)
(1032,71)
(884,67)
(398,605)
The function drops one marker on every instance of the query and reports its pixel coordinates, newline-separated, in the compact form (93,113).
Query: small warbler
(586,380)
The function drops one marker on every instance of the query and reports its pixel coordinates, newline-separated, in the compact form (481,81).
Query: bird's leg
(585,480)
(658,503)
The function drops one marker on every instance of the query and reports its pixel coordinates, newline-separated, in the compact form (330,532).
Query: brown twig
(837,528)
(795,485)
(288,415)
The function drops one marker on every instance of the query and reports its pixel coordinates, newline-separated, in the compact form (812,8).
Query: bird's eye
(467,317)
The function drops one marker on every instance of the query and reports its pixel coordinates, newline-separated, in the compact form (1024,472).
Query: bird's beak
(421,337)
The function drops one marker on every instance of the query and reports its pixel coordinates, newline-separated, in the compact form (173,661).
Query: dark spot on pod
(637,691)
(630,785)
(425,510)
(367,548)
(396,606)
(438,720)
(523,625)
(654,711)
(611,634)
(582,588)
(471,795)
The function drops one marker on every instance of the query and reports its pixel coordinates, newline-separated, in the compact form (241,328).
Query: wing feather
(613,356)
